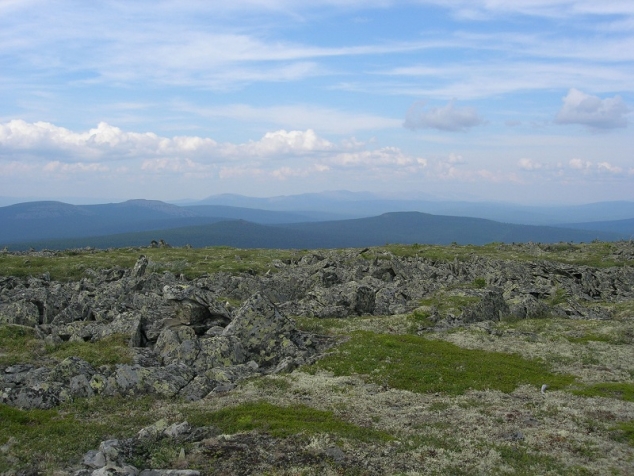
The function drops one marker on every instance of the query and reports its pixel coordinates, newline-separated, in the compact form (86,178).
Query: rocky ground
(252,343)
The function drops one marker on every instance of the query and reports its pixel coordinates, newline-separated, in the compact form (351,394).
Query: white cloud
(322,119)
(579,164)
(456,159)
(446,170)
(529,164)
(292,142)
(588,167)
(79,167)
(607,68)
(172,165)
(446,118)
(106,142)
(15,168)
(592,111)
(484,9)
(277,155)
(386,157)
(608,167)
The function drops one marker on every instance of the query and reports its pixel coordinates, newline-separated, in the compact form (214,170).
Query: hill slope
(403,227)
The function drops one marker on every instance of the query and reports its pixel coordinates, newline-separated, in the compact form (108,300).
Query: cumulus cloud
(608,167)
(106,142)
(529,164)
(107,153)
(579,164)
(446,118)
(588,166)
(283,142)
(456,159)
(592,111)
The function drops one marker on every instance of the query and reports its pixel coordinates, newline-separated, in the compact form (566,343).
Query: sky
(529,101)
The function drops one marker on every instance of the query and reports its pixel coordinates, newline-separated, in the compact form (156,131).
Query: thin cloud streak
(322,119)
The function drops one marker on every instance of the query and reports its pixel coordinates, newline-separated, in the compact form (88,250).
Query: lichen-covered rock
(139,267)
(20,312)
(528,307)
(490,307)
(264,332)
(196,307)
(136,380)
(28,398)
(74,375)
(178,344)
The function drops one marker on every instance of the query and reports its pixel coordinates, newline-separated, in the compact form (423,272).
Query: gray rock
(177,429)
(491,307)
(262,329)
(20,312)
(528,307)
(94,459)
(28,398)
(140,266)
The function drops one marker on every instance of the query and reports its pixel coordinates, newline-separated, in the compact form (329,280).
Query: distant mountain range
(395,227)
(365,204)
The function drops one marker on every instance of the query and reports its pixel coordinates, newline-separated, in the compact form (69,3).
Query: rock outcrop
(186,339)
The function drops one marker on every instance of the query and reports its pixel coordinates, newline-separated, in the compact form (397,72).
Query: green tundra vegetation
(192,262)
(459,401)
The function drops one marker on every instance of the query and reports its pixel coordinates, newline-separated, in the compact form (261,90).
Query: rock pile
(187,340)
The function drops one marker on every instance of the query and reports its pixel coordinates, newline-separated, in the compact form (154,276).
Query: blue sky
(529,101)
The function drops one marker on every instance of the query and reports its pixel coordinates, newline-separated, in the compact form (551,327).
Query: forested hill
(398,227)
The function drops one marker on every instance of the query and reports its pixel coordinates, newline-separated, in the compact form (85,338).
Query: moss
(18,344)
(584,339)
(447,302)
(624,432)
(61,436)
(426,366)
(618,390)
(559,297)
(320,325)
(193,262)
(528,463)
(282,421)
(110,350)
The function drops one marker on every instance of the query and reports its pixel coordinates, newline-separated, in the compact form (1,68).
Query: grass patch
(414,363)
(559,297)
(274,384)
(625,432)
(321,325)
(282,421)
(618,390)
(71,265)
(18,344)
(445,303)
(110,350)
(45,439)
(584,339)
(530,463)
(597,255)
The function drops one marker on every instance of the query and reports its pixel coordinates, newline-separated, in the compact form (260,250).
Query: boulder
(263,331)
(20,312)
